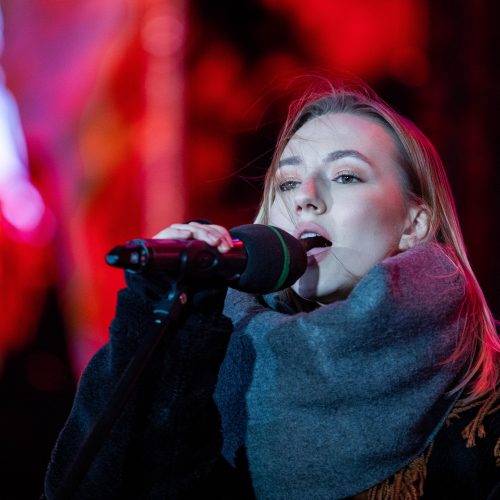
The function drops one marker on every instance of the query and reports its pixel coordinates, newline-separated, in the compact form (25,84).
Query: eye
(346,179)
(288,185)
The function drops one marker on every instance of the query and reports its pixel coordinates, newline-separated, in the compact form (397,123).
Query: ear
(416,228)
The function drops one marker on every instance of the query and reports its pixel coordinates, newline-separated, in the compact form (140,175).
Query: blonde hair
(425,183)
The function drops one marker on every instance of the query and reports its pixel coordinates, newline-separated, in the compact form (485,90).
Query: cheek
(390,212)
(375,219)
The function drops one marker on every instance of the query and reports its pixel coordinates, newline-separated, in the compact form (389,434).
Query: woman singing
(374,375)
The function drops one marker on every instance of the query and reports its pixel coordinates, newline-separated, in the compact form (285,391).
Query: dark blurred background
(120,117)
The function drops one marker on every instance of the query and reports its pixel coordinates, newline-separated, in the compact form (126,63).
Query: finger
(218,235)
(226,241)
(175,231)
(213,235)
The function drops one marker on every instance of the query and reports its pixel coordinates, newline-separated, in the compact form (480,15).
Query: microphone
(264,259)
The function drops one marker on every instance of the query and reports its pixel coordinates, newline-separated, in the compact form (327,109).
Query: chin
(313,291)
(306,287)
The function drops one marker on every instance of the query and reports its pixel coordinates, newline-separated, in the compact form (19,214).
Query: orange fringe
(475,428)
(408,483)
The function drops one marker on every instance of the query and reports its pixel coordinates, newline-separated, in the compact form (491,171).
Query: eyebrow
(333,156)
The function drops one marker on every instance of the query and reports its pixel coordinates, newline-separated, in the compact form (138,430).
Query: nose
(308,197)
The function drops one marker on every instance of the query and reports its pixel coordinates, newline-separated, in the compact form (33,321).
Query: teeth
(308,235)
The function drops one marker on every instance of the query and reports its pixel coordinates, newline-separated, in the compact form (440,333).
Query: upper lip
(311,227)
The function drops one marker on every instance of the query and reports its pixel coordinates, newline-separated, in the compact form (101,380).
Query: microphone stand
(166,313)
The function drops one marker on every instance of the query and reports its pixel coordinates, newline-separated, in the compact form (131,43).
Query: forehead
(341,131)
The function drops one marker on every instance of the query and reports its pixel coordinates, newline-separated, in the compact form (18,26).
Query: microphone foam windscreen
(275,259)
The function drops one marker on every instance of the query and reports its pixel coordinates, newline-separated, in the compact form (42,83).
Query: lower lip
(316,255)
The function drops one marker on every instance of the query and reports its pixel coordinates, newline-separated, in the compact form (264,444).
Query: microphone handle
(187,258)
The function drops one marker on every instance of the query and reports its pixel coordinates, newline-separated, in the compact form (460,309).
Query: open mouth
(313,240)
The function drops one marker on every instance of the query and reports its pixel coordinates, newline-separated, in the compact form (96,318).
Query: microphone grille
(275,259)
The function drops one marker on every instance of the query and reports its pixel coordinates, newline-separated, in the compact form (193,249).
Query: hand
(154,285)
(213,235)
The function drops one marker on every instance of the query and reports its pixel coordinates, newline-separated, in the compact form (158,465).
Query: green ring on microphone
(286,260)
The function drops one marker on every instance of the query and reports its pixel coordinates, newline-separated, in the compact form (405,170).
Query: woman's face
(339,178)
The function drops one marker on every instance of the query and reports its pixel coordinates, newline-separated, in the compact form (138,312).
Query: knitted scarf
(329,403)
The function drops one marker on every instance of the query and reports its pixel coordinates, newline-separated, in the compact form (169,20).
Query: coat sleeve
(166,439)
(335,400)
